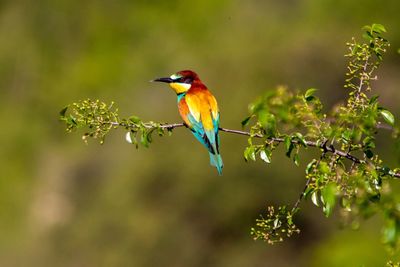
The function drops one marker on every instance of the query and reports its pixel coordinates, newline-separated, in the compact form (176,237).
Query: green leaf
(373,99)
(309,95)
(368,153)
(328,195)
(387,116)
(63,111)
(368,36)
(301,139)
(249,153)
(145,138)
(296,159)
(128,138)
(72,120)
(368,142)
(310,166)
(366,28)
(160,131)
(314,198)
(135,119)
(378,28)
(246,121)
(267,120)
(265,157)
(287,142)
(270,125)
(308,191)
(347,135)
(288,145)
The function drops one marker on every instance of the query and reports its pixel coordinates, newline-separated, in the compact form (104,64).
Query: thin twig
(360,86)
(240,132)
(302,194)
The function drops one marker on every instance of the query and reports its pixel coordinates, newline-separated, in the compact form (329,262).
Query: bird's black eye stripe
(179,80)
(184,80)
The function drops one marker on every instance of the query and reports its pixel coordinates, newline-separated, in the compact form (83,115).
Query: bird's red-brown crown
(188,74)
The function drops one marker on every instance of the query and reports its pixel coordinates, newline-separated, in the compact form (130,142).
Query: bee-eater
(199,110)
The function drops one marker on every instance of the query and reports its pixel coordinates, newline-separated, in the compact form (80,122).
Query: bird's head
(181,81)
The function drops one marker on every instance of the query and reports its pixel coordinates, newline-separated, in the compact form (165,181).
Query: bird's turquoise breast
(180,96)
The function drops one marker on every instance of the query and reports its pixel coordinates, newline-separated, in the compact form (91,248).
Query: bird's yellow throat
(180,87)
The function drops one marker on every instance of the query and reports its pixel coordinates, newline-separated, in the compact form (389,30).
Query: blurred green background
(63,203)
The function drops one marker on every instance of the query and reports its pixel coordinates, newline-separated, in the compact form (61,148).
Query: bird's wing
(214,117)
(213,108)
(213,105)
(204,118)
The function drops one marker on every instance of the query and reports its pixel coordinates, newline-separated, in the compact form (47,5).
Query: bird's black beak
(163,80)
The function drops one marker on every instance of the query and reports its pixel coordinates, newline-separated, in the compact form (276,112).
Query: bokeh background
(64,203)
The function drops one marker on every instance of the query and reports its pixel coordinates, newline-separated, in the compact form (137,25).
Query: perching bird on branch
(199,110)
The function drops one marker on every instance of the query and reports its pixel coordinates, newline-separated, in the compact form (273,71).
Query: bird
(199,111)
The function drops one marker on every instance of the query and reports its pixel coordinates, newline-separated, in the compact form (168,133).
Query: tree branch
(302,194)
(322,146)
(361,84)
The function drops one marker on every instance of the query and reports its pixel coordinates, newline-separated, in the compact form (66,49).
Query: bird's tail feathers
(216,160)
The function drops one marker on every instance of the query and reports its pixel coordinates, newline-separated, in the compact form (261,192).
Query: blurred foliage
(391,264)
(66,204)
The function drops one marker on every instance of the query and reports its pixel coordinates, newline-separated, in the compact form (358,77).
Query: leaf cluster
(348,175)
(279,223)
(97,118)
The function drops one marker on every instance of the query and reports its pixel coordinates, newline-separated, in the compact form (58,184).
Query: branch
(302,194)
(360,86)
(322,146)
